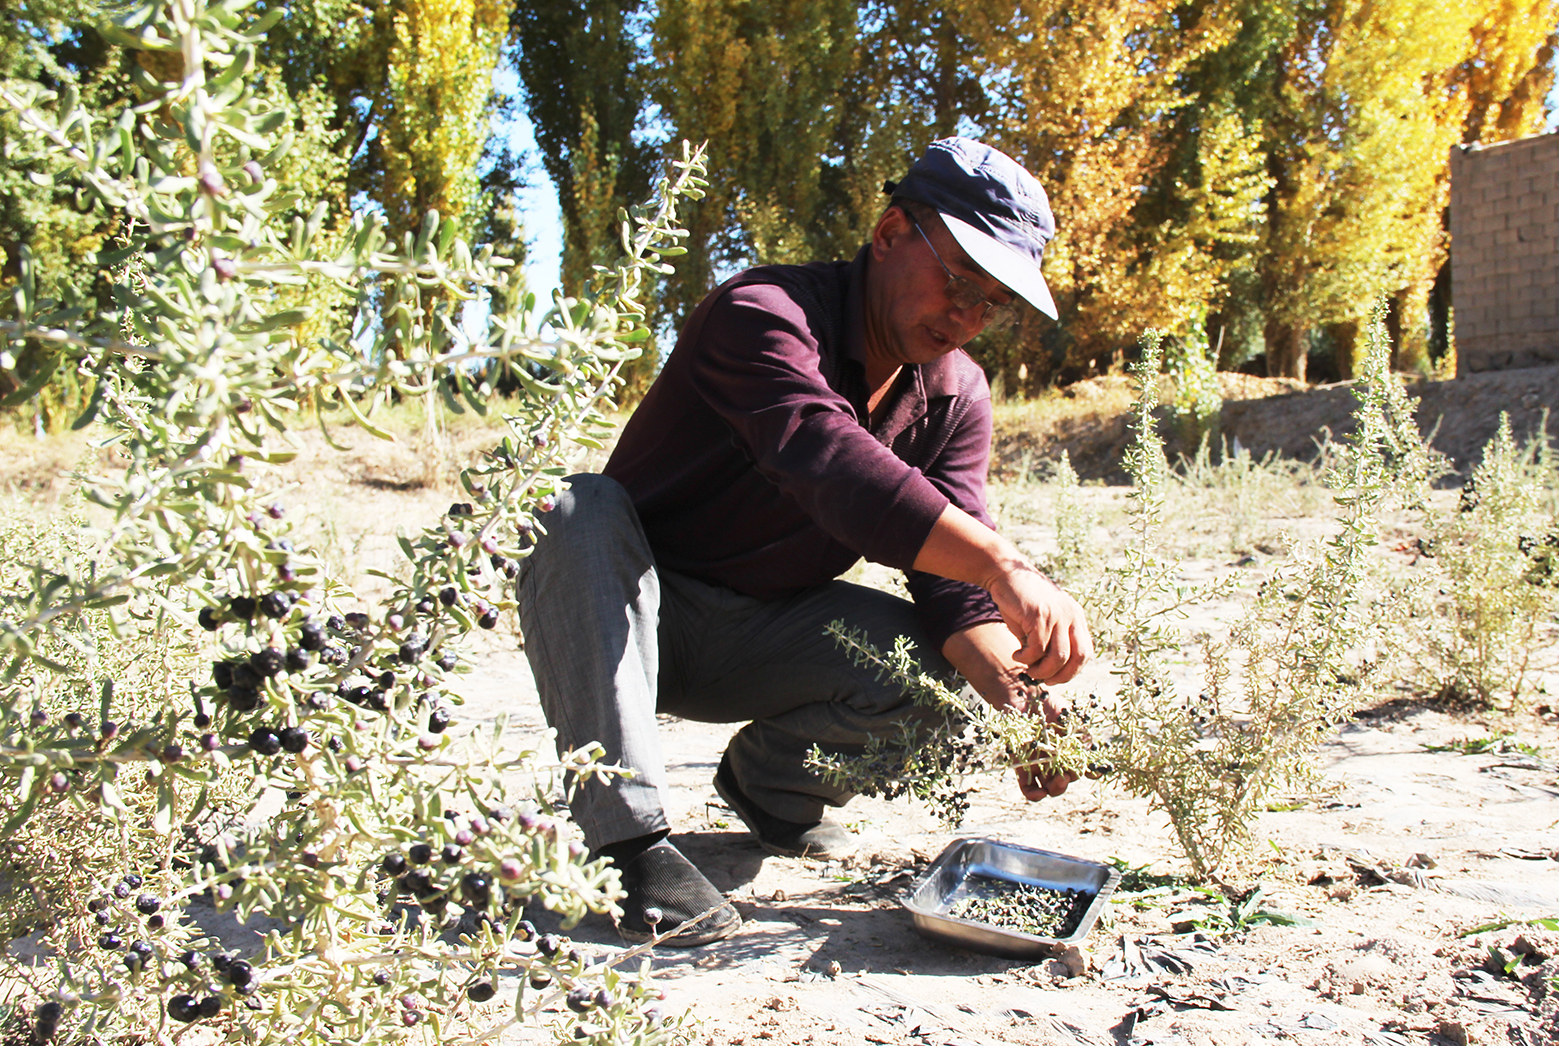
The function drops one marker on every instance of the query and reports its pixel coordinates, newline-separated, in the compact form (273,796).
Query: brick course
(1505,253)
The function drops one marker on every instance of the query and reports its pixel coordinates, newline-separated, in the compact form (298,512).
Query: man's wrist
(1007,564)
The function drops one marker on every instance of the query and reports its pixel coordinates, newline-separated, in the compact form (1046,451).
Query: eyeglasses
(964,293)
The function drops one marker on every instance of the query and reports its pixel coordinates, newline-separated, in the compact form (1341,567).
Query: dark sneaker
(661,879)
(824,840)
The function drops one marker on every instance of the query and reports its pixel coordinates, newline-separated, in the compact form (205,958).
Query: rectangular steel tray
(948,879)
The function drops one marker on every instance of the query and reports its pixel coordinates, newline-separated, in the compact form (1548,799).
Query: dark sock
(626,850)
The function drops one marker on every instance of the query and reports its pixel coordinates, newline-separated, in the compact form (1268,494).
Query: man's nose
(970,319)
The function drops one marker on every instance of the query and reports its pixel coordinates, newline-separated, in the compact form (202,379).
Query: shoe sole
(808,853)
(686,940)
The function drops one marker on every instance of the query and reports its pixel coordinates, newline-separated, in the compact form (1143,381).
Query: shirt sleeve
(946,606)
(759,368)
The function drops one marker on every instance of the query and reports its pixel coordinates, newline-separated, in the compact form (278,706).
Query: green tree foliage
(764,81)
(439,79)
(56,230)
(390,100)
(1266,168)
(582,73)
(404,92)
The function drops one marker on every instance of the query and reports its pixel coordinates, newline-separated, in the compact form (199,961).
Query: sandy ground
(1406,850)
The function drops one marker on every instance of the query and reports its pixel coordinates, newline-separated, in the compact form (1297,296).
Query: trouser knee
(589,510)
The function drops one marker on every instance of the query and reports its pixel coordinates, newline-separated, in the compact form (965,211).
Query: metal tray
(949,881)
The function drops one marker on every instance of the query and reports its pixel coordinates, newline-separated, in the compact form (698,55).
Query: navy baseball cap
(995,209)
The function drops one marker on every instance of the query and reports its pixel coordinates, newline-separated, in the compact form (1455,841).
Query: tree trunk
(1345,342)
(1413,354)
(1394,329)
(1285,350)
(1440,314)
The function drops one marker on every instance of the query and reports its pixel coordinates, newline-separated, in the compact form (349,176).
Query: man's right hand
(1051,630)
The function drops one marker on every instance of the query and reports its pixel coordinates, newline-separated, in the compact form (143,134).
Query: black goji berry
(476,888)
(264,741)
(267,662)
(243,698)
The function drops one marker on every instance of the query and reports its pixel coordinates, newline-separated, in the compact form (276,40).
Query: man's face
(909,316)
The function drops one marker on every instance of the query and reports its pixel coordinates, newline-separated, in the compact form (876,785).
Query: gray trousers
(612,640)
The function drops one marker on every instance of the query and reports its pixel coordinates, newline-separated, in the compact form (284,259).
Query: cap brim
(1008,267)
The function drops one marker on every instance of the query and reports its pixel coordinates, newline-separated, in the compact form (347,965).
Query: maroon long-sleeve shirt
(753,462)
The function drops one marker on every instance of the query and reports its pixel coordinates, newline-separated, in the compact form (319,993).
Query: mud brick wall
(1505,253)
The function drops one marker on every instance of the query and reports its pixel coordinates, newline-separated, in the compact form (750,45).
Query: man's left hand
(984,654)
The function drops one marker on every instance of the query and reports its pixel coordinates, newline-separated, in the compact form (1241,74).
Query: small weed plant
(1496,556)
(1192,365)
(1241,491)
(1497,744)
(1315,638)
(194,713)
(1078,555)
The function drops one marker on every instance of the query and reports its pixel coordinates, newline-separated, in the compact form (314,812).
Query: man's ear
(892,227)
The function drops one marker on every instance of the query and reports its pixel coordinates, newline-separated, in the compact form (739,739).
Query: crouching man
(809,416)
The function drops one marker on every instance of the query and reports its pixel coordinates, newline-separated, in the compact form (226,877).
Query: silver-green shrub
(194,712)
(1208,747)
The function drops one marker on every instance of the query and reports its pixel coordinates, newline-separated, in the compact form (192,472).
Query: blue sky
(543,220)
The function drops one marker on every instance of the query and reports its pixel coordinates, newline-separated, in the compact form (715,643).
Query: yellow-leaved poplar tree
(1368,102)
(436,97)
(761,81)
(1087,96)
